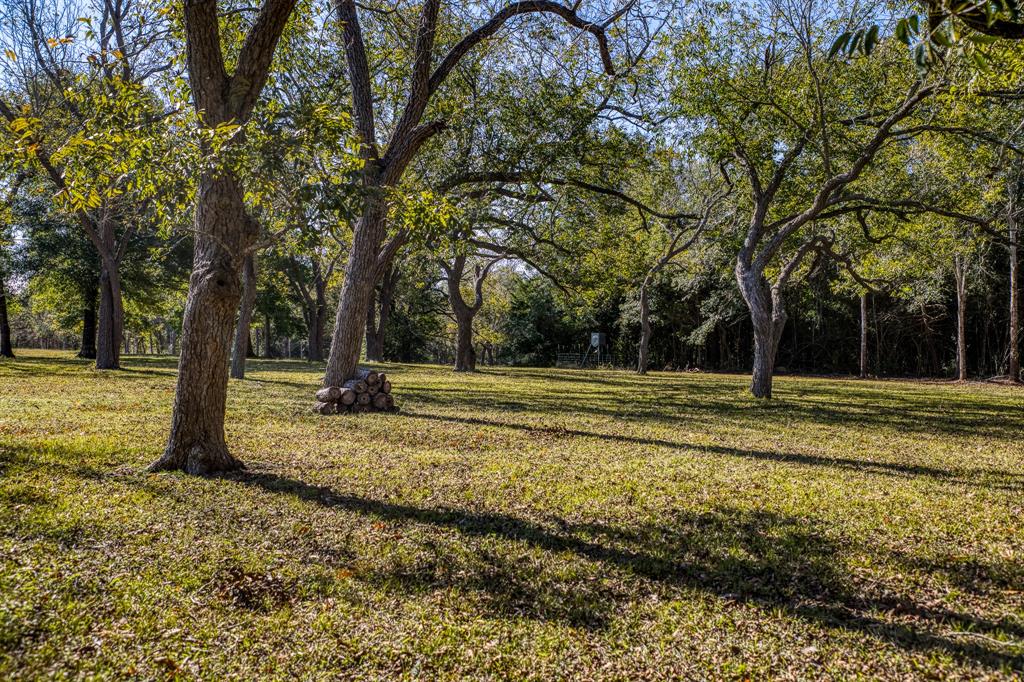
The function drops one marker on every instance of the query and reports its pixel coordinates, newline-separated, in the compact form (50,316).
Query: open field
(516,523)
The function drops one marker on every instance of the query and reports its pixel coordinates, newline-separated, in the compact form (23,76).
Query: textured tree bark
(224,235)
(360,279)
(110,333)
(223,232)
(6,347)
(465,355)
(768,317)
(960,275)
(240,347)
(764,363)
(863,335)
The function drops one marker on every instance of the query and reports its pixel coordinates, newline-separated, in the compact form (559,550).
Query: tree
(380,312)
(367,259)
(6,347)
(464,311)
(242,342)
(225,234)
(803,130)
(6,244)
(81,114)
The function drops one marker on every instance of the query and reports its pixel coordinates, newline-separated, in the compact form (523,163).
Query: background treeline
(699,321)
(712,186)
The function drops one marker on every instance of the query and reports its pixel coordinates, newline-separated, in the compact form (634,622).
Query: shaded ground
(514,523)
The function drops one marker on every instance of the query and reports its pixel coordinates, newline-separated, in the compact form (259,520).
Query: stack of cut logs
(367,391)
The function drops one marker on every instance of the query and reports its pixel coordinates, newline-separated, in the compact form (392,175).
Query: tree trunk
(224,232)
(645,328)
(465,355)
(764,362)
(6,347)
(960,274)
(863,335)
(768,317)
(110,334)
(88,345)
(268,347)
(377,323)
(317,319)
(87,350)
(374,344)
(241,346)
(1014,355)
(360,276)
(315,335)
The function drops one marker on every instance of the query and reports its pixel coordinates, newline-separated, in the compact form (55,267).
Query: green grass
(516,523)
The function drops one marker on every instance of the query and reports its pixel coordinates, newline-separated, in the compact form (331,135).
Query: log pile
(367,391)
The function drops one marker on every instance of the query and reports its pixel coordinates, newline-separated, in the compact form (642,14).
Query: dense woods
(778,186)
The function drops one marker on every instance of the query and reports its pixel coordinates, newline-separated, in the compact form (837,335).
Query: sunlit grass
(516,523)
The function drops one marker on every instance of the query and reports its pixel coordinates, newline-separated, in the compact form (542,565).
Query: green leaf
(871,39)
(839,44)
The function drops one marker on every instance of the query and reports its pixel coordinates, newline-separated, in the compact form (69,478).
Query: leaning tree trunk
(863,335)
(356,294)
(110,334)
(465,355)
(6,347)
(1014,368)
(645,329)
(223,233)
(240,349)
(961,317)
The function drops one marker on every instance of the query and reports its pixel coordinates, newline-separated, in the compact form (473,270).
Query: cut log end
(367,391)
(329,394)
(357,385)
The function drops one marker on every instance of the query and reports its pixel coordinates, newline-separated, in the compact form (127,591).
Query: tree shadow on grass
(673,401)
(761,558)
(586,573)
(982,478)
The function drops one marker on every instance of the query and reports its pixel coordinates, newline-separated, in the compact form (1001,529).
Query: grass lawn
(516,523)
